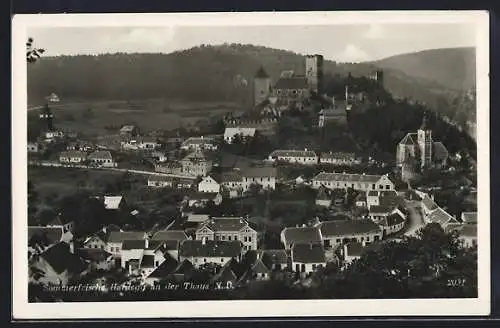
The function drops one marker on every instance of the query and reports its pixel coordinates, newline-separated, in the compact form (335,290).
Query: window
(245,238)
(338,240)
(380,187)
(223,237)
(314,266)
(387,187)
(235,237)
(229,238)
(222,260)
(373,186)
(249,238)
(205,260)
(157,263)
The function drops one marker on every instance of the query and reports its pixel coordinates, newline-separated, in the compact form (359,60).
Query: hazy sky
(345,43)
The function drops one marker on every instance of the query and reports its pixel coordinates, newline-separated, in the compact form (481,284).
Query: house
(72,156)
(81,146)
(264,176)
(41,238)
(230,133)
(335,114)
(169,168)
(196,164)
(160,181)
(324,197)
(172,239)
(291,89)
(140,143)
(184,183)
(162,272)
(114,202)
(98,259)
(208,184)
(260,271)
(422,149)
(354,250)
(467,233)
(99,239)
(300,235)
(361,200)
(57,265)
(340,158)
(199,143)
(197,218)
(306,258)
(116,238)
(159,156)
(363,182)
(33,147)
(337,232)
(232,181)
(52,135)
(441,217)
(469,217)
(200,199)
(428,205)
(226,278)
(274,259)
(200,252)
(377,198)
(102,158)
(129,131)
(142,256)
(306,157)
(229,228)
(393,223)
(63,221)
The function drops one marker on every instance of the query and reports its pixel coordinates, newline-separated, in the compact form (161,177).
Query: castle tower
(261,86)
(46,117)
(314,72)
(424,136)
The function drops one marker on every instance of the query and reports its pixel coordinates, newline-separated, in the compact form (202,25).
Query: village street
(415,219)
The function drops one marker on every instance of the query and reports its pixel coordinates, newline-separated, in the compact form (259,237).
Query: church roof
(409,139)
(440,151)
(292,83)
(261,73)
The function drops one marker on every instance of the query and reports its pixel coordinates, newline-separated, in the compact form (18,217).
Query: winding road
(415,218)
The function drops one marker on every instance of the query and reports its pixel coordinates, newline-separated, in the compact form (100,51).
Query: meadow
(101,117)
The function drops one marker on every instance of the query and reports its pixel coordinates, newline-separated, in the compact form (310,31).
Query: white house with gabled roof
(209,184)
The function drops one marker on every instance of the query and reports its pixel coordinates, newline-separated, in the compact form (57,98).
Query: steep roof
(45,235)
(147,261)
(292,153)
(101,154)
(441,216)
(469,217)
(260,267)
(339,155)
(93,254)
(347,227)
(198,141)
(112,202)
(295,82)
(275,256)
(325,176)
(308,253)
(394,219)
(185,267)
(380,209)
(73,154)
(261,73)
(231,177)
(211,248)
(178,235)
(409,139)
(260,172)
(297,235)
(120,236)
(166,268)
(231,132)
(429,203)
(226,224)
(226,274)
(439,152)
(61,259)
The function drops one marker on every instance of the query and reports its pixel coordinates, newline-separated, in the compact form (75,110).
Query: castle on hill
(290,87)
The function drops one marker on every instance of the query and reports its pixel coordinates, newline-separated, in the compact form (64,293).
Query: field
(101,117)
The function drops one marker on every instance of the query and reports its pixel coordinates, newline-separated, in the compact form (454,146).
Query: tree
(32,53)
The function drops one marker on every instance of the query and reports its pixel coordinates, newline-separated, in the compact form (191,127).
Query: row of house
(363,182)
(101,158)
(309,157)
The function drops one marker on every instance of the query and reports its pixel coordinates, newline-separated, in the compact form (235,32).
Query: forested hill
(453,68)
(216,73)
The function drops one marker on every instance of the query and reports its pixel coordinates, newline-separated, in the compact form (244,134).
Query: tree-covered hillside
(204,73)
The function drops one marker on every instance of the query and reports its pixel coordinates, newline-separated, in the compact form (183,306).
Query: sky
(342,43)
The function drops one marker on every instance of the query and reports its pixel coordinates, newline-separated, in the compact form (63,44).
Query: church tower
(424,136)
(261,86)
(47,118)
(314,72)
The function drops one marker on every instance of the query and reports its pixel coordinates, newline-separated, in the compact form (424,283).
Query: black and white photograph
(251,164)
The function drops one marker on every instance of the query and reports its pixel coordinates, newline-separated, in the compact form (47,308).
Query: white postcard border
(211,309)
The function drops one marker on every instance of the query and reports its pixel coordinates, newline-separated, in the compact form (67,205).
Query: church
(418,152)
